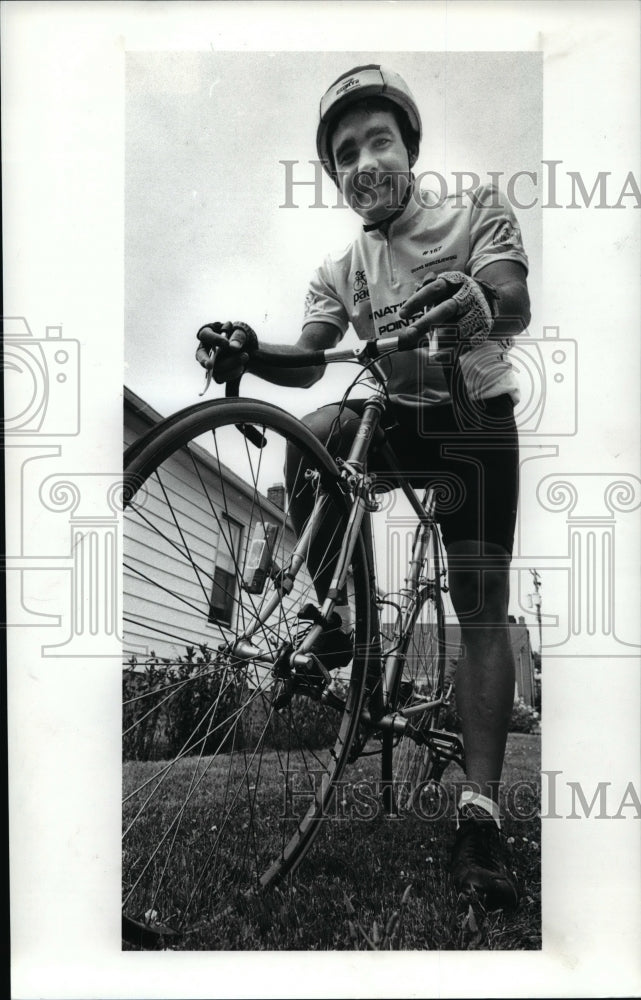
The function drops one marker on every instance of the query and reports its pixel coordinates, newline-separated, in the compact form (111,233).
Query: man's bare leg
(485,679)
(485,694)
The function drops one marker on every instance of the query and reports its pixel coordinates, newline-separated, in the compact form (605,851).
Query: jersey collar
(400,219)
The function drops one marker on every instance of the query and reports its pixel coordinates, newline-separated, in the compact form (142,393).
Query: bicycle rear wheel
(408,766)
(230,750)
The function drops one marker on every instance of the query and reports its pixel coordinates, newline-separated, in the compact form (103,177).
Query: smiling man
(370,156)
(455,270)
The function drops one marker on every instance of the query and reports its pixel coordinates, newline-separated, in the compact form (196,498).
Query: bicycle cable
(335,425)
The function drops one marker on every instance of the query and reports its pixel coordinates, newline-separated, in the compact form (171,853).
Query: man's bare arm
(315,337)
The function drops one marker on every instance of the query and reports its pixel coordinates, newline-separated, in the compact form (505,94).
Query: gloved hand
(229,345)
(465,306)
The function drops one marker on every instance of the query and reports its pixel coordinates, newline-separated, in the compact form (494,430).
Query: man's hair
(372,105)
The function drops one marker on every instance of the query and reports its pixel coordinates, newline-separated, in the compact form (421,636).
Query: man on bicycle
(454,270)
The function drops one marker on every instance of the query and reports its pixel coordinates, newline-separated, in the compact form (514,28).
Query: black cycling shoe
(477,864)
(334,648)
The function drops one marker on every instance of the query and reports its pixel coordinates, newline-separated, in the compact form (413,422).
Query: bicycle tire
(407,766)
(209,758)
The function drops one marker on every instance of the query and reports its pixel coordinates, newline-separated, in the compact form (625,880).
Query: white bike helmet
(356,85)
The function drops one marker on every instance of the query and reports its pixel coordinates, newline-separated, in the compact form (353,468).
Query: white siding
(156,568)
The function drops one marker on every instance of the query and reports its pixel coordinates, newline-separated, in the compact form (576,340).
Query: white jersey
(367,284)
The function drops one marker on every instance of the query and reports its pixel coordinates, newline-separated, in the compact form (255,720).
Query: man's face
(372,162)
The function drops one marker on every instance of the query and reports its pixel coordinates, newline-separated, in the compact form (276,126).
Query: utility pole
(535,598)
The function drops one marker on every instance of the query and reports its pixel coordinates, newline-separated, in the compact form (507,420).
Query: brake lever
(208,373)
(232,391)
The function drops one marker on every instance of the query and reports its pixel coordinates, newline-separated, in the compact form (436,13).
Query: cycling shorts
(470,459)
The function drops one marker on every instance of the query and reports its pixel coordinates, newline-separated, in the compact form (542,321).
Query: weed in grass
(383,936)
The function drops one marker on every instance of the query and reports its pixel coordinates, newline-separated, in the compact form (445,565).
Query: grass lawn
(379,883)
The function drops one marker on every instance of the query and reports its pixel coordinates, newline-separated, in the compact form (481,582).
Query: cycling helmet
(356,85)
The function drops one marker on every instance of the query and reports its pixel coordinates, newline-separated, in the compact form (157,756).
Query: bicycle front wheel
(408,764)
(230,750)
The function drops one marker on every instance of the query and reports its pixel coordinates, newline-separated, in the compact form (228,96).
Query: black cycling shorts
(471,460)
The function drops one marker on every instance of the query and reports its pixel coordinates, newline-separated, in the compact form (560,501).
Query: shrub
(184,706)
(303,723)
(525,719)
(142,708)
(178,706)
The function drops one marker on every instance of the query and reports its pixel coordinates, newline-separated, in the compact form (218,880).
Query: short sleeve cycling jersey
(367,284)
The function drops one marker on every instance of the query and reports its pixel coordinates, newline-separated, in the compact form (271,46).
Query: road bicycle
(237,722)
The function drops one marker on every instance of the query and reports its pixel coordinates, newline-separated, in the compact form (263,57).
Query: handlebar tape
(409,339)
(300,359)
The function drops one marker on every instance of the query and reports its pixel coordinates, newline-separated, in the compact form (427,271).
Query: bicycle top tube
(366,353)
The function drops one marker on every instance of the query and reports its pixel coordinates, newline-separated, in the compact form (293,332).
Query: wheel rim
(223,790)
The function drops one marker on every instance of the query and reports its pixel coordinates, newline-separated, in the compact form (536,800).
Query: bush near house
(525,719)
(177,706)
(184,706)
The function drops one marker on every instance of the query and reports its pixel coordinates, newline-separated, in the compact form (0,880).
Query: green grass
(374,883)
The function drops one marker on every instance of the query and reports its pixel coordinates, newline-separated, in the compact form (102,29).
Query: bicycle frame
(264,698)
(360,483)
(381,716)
